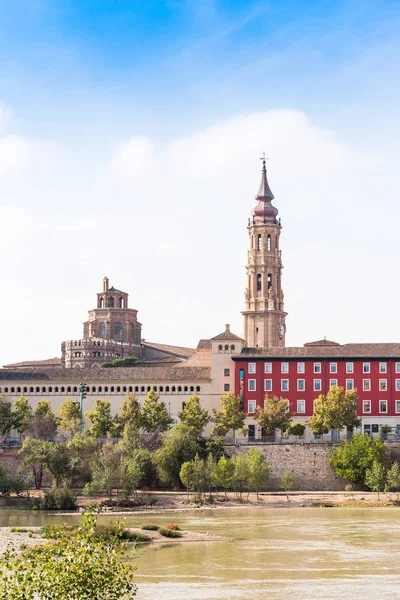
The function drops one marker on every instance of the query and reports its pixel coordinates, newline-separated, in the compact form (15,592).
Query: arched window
(37,390)
(68,390)
(155,388)
(110,302)
(31,390)
(56,389)
(161,388)
(6,390)
(25,390)
(43,390)
(220,348)
(173,389)
(118,389)
(186,389)
(167,388)
(75,390)
(269,242)
(12,390)
(232,348)
(259,241)
(130,389)
(226,347)
(269,280)
(121,302)
(100,388)
(179,388)
(93,389)
(18,390)
(259,283)
(136,389)
(118,330)
(142,389)
(63,390)
(106,388)
(148,388)
(192,388)
(197,388)
(101,302)
(50,389)
(102,330)
(124,389)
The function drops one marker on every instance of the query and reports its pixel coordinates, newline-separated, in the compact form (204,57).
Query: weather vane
(263,157)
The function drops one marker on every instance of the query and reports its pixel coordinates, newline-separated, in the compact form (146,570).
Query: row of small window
(367,406)
(225,348)
(100,389)
(333,366)
(317,385)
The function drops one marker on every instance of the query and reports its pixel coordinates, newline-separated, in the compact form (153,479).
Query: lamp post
(82,395)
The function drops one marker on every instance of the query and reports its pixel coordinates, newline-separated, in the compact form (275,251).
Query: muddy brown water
(276,553)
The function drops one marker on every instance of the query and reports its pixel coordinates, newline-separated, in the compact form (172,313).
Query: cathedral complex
(252,367)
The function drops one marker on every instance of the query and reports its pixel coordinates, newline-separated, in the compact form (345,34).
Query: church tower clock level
(264,315)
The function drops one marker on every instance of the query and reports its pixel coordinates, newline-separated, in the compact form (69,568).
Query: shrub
(170,533)
(19,530)
(54,532)
(172,526)
(59,499)
(150,527)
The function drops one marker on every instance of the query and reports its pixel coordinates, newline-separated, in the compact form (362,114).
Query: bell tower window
(269,243)
(259,283)
(101,302)
(102,330)
(269,280)
(121,303)
(259,241)
(110,302)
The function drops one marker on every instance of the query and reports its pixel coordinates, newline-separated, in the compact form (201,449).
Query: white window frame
(285,368)
(383,412)
(282,380)
(303,389)
(333,382)
(383,385)
(268,368)
(298,406)
(382,367)
(397,367)
(250,389)
(301,368)
(333,368)
(367,368)
(320,385)
(367,412)
(253,403)
(349,367)
(265,385)
(252,368)
(351,383)
(397,385)
(318,368)
(397,406)
(366,385)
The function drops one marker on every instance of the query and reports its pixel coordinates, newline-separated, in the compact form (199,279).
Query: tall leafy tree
(273,415)
(224,472)
(22,414)
(375,477)
(102,421)
(230,417)
(107,470)
(40,454)
(258,469)
(179,445)
(193,415)
(241,473)
(43,424)
(354,457)
(6,417)
(155,416)
(129,415)
(70,417)
(335,410)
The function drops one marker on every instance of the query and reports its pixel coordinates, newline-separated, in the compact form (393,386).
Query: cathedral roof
(329,351)
(227,335)
(26,364)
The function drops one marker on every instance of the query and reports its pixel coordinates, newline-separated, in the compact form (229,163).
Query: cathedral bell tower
(264,315)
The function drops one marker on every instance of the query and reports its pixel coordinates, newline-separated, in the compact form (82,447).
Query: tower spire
(264,191)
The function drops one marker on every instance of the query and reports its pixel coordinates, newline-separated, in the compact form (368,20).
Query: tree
(198,475)
(102,422)
(70,417)
(130,413)
(375,477)
(107,470)
(186,475)
(273,415)
(81,449)
(155,416)
(296,429)
(241,473)
(258,469)
(78,567)
(224,472)
(179,445)
(393,479)
(193,415)
(6,417)
(336,410)
(354,457)
(287,482)
(43,425)
(22,414)
(40,454)
(230,417)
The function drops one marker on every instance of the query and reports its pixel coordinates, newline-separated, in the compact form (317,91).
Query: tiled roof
(35,363)
(204,345)
(180,351)
(227,335)
(150,374)
(323,342)
(344,351)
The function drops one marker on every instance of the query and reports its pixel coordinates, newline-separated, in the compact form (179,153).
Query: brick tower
(264,315)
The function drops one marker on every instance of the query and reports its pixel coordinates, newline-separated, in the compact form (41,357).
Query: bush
(172,526)
(170,533)
(149,527)
(11,484)
(19,530)
(59,499)
(54,532)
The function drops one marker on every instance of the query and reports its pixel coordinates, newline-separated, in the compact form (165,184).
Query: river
(277,553)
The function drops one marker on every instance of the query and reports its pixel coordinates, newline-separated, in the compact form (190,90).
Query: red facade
(377,381)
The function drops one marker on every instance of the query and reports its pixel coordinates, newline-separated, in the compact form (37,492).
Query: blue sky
(118,120)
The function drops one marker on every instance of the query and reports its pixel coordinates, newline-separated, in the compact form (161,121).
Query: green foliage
(375,477)
(116,530)
(273,415)
(336,410)
(241,472)
(258,469)
(6,417)
(130,412)
(39,454)
(354,457)
(197,474)
(179,445)
(150,527)
(224,472)
(288,482)
(193,415)
(393,478)
(102,422)
(11,484)
(81,449)
(43,423)
(230,417)
(296,429)
(61,498)
(155,416)
(22,414)
(70,417)
(129,361)
(170,533)
(107,473)
(81,567)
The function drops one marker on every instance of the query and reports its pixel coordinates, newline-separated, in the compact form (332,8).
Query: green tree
(241,473)
(287,482)
(107,470)
(41,454)
(70,417)
(186,475)
(193,415)
(22,414)
(81,449)
(224,473)
(273,415)
(258,469)
(179,445)
(336,410)
(43,424)
(353,458)
(6,417)
(102,422)
(296,429)
(78,567)
(155,416)
(375,477)
(230,417)
(393,479)
(130,413)
(200,476)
